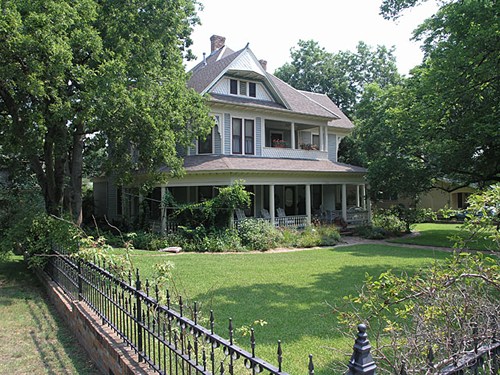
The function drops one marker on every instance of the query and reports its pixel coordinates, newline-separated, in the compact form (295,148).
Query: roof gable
(244,64)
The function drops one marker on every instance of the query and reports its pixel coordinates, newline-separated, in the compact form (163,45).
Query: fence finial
(361,360)
(311,365)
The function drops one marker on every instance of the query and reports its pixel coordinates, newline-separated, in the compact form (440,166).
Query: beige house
(280,141)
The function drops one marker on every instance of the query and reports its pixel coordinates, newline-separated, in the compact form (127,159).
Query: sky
(273,27)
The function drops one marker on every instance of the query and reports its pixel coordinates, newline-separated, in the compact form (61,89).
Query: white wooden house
(281,142)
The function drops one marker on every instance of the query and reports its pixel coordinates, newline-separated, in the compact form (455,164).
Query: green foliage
(343,75)
(483,218)
(329,235)
(411,215)
(215,212)
(36,235)
(110,74)
(408,314)
(147,240)
(258,234)
(200,239)
(372,232)
(389,221)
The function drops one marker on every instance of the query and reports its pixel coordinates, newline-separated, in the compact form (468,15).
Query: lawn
(431,234)
(290,291)
(32,338)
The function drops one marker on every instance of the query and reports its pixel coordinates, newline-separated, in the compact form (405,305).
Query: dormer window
(242,88)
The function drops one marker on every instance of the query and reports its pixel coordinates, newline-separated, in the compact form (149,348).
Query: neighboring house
(280,141)
(444,195)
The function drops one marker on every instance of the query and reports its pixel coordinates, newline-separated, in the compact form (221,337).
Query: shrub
(309,237)
(371,232)
(258,234)
(36,236)
(388,221)
(201,240)
(329,235)
(147,240)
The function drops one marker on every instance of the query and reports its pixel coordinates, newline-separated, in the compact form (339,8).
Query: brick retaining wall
(110,355)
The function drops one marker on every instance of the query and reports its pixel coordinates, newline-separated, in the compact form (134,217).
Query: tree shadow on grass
(52,340)
(297,312)
(382,250)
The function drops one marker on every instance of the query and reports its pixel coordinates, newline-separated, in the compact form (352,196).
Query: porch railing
(297,221)
(291,153)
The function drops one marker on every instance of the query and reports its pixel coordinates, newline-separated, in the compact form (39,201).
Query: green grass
(32,338)
(431,234)
(290,291)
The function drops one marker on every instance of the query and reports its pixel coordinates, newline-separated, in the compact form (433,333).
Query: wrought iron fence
(172,343)
(167,340)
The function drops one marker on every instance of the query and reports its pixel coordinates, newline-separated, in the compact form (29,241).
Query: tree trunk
(76,168)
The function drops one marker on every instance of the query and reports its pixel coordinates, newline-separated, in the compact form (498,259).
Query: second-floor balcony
(294,140)
(291,153)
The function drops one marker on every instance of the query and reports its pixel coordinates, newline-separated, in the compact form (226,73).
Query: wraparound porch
(283,204)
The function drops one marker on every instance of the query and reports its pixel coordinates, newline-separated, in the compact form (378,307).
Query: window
(249,139)
(243,136)
(243,88)
(237,135)
(252,89)
(315,139)
(205,146)
(233,87)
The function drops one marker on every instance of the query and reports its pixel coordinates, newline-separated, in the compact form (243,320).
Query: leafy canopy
(75,71)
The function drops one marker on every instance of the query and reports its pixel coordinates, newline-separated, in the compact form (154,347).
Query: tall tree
(342,75)
(443,122)
(71,70)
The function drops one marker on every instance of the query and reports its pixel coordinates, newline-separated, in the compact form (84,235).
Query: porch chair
(265,214)
(240,214)
(282,214)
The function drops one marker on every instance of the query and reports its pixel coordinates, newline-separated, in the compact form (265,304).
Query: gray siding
(258,136)
(227,133)
(332,147)
(217,141)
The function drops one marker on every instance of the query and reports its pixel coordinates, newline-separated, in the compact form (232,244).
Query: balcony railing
(290,153)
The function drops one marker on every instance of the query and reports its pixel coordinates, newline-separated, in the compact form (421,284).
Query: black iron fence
(172,343)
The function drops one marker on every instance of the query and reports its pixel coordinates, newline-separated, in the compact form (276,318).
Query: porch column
(272,209)
(357,196)
(308,204)
(163,211)
(344,202)
(326,139)
(293,135)
(363,196)
(321,139)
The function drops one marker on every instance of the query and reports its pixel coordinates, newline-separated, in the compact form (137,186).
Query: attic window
(234,87)
(242,88)
(252,89)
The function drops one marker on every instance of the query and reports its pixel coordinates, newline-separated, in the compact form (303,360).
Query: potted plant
(280,143)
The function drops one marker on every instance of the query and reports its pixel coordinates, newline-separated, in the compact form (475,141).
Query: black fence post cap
(361,360)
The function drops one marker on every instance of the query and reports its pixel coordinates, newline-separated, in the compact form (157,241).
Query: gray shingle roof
(228,163)
(325,101)
(203,75)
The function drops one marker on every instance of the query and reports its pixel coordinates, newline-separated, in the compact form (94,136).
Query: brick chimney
(263,63)
(216,42)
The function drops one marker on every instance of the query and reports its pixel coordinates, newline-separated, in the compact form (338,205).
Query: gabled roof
(225,61)
(325,101)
